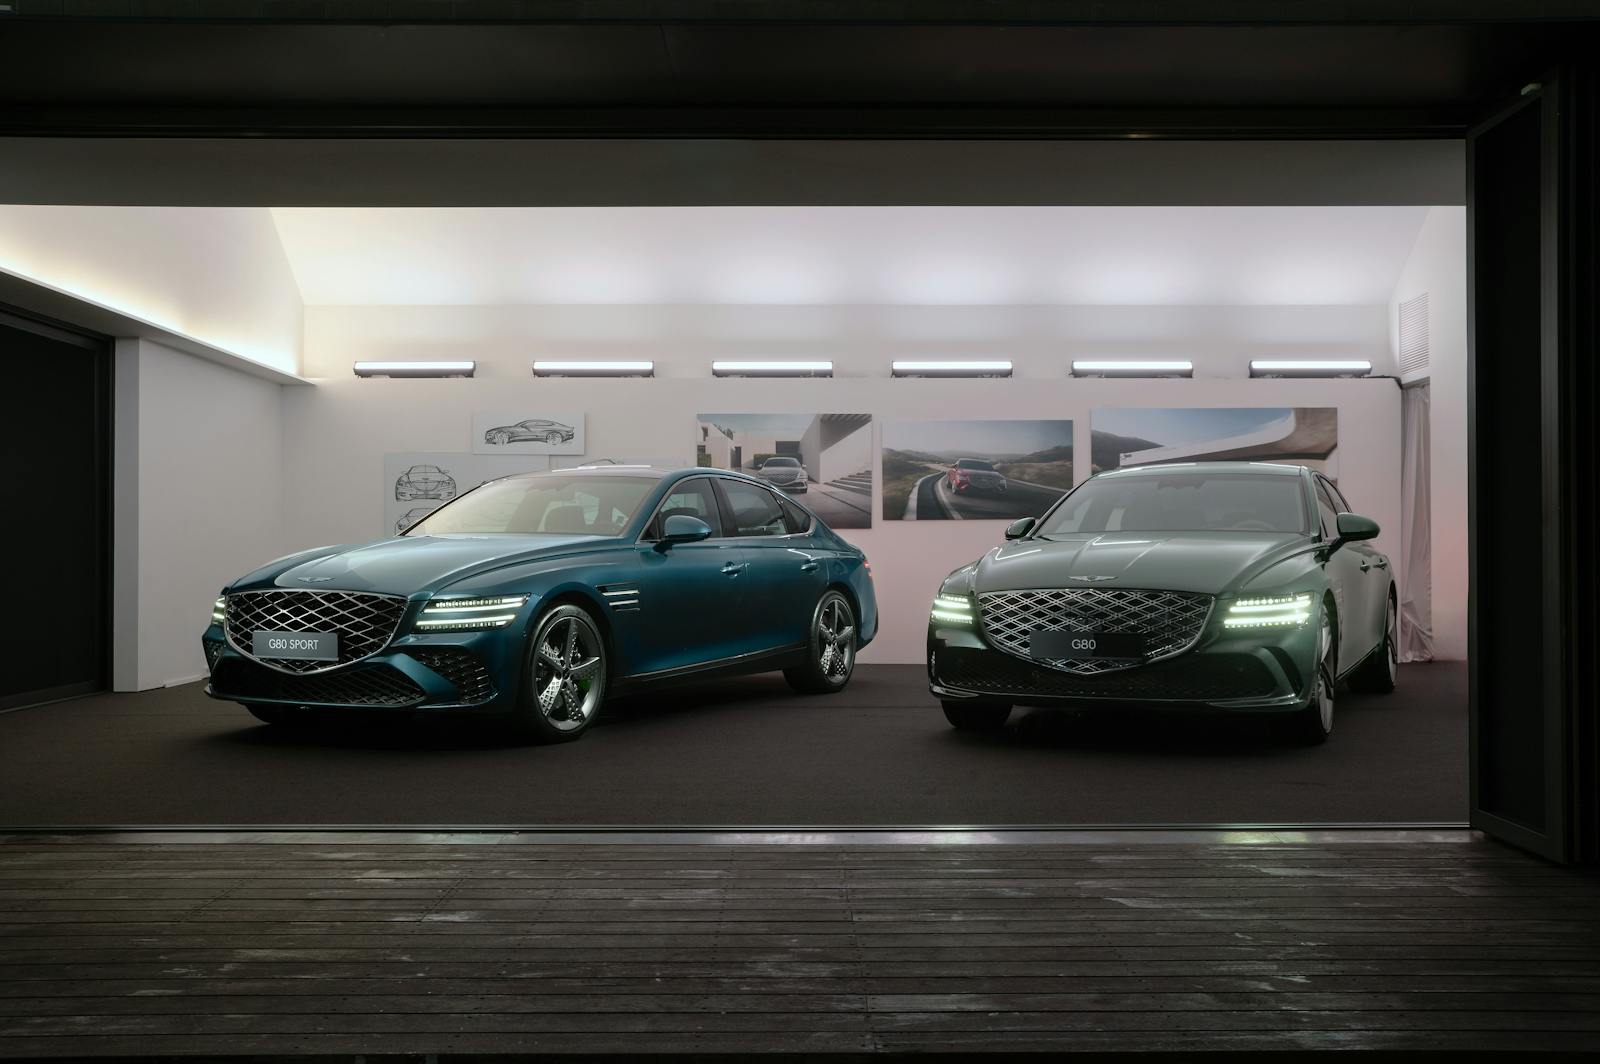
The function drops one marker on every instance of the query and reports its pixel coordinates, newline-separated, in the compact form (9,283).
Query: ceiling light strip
(580,368)
(771,369)
(1310,367)
(415,369)
(1132,367)
(950,368)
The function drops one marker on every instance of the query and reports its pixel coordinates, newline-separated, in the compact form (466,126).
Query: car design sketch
(411,517)
(1240,586)
(534,597)
(975,474)
(424,482)
(534,430)
(784,473)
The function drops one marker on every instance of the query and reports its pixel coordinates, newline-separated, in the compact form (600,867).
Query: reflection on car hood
(405,564)
(1208,562)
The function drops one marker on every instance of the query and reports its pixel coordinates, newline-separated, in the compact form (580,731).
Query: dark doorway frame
(96,631)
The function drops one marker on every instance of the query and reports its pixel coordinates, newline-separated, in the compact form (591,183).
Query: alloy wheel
(1392,644)
(836,640)
(1325,675)
(568,664)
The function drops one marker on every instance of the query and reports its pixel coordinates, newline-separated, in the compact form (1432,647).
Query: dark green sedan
(1244,586)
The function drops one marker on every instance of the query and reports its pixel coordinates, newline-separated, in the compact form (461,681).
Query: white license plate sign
(297,646)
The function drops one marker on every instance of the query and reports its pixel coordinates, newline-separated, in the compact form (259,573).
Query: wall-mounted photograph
(824,460)
(417,483)
(974,470)
(1302,435)
(527,432)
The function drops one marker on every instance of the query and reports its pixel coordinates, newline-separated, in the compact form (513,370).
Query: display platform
(741,752)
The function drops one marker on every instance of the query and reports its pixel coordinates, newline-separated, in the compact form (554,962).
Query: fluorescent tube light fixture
(950,368)
(771,369)
(415,369)
(594,369)
(1310,367)
(1132,367)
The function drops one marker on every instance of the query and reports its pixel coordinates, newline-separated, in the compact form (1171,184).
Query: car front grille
(461,667)
(363,685)
(1170,621)
(1197,678)
(363,622)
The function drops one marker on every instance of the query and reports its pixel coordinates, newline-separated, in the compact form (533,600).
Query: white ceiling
(845,255)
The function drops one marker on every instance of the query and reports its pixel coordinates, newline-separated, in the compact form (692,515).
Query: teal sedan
(535,597)
(1239,586)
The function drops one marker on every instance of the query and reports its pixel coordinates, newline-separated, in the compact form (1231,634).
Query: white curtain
(1416,530)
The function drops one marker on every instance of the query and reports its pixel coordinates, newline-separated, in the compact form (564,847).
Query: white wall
(1437,265)
(218,274)
(198,501)
(337,433)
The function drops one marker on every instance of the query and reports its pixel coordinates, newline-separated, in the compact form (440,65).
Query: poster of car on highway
(974,470)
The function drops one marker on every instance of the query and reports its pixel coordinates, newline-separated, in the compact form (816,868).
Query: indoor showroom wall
(1437,267)
(337,433)
(218,274)
(197,501)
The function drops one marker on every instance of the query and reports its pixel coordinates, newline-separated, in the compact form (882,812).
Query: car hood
(405,565)
(1210,562)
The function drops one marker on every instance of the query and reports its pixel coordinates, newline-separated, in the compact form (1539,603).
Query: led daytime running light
(1269,611)
(460,614)
(952,609)
(468,605)
(219,610)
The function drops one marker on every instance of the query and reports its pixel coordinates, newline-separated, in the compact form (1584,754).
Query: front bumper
(1263,670)
(456,672)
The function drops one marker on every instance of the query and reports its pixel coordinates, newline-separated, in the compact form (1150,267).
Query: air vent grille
(1414,334)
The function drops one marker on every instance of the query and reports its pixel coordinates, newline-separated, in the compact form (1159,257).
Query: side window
(1338,497)
(794,516)
(1328,509)
(693,498)
(753,510)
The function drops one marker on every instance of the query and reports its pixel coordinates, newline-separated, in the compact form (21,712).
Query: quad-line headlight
(1269,611)
(465,614)
(952,609)
(219,611)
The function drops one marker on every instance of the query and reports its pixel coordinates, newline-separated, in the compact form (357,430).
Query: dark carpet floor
(740,752)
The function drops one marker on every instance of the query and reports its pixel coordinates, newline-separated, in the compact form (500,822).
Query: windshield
(780,462)
(562,505)
(1182,502)
(973,463)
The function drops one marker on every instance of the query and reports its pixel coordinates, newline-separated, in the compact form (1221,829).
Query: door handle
(735,568)
(810,567)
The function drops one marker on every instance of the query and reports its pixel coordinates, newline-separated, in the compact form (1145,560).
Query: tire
(563,677)
(830,649)
(554,439)
(500,439)
(1376,675)
(278,716)
(1312,724)
(976,716)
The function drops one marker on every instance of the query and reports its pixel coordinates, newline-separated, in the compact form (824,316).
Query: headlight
(1270,611)
(952,609)
(465,614)
(219,610)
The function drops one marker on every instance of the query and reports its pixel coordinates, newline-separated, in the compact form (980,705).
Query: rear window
(973,463)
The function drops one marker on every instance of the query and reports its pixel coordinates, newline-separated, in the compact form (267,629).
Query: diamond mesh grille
(363,622)
(365,685)
(1170,621)
(461,667)
(1197,678)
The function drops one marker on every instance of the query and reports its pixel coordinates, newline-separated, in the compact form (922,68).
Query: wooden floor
(345,943)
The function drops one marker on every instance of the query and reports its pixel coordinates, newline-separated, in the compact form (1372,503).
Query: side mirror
(1351,527)
(682,528)
(1020,527)
(1354,526)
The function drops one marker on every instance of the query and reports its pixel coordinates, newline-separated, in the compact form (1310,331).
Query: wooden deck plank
(305,945)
